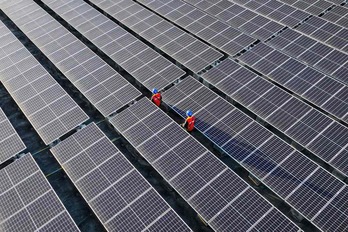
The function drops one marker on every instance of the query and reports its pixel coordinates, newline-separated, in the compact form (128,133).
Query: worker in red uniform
(156,97)
(189,123)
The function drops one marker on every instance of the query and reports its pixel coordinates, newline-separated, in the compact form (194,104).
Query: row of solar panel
(10,142)
(273,213)
(44,102)
(123,202)
(118,194)
(312,52)
(28,202)
(316,27)
(183,110)
(331,103)
(178,44)
(335,101)
(200,24)
(306,82)
(122,199)
(221,197)
(323,91)
(337,15)
(107,90)
(307,187)
(318,133)
(239,17)
(163,217)
(131,54)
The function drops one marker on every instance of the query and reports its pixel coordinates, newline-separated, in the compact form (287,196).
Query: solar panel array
(321,135)
(118,194)
(201,24)
(295,178)
(314,7)
(10,143)
(51,111)
(28,202)
(330,33)
(337,15)
(107,90)
(327,32)
(143,63)
(238,16)
(338,1)
(280,12)
(221,197)
(318,55)
(183,47)
(305,81)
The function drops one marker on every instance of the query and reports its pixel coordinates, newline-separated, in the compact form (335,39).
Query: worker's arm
(184,124)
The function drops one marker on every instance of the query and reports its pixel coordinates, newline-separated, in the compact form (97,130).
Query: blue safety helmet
(189,113)
(154,91)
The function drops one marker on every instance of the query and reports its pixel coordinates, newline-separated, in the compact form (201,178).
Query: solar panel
(338,1)
(201,24)
(318,133)
(221,197)
(119,195)
(318,55)
(183,47)
(291,175)
(337,15)
(238,16)
(10,143)
(314,7)
(147,66)
(280,12)
(327,32)
(321,90)
(98,81)
(318,28)
(50,110)
(28,202)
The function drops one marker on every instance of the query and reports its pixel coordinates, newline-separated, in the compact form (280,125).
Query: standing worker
(156,97)
(189,123)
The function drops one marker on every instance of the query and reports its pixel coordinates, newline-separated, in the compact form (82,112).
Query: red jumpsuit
(157,98)
(190,123)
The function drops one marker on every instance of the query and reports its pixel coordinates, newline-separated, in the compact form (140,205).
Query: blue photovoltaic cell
(213,190)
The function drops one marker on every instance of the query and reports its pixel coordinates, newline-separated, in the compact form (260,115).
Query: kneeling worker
(189,123)
(156,97)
